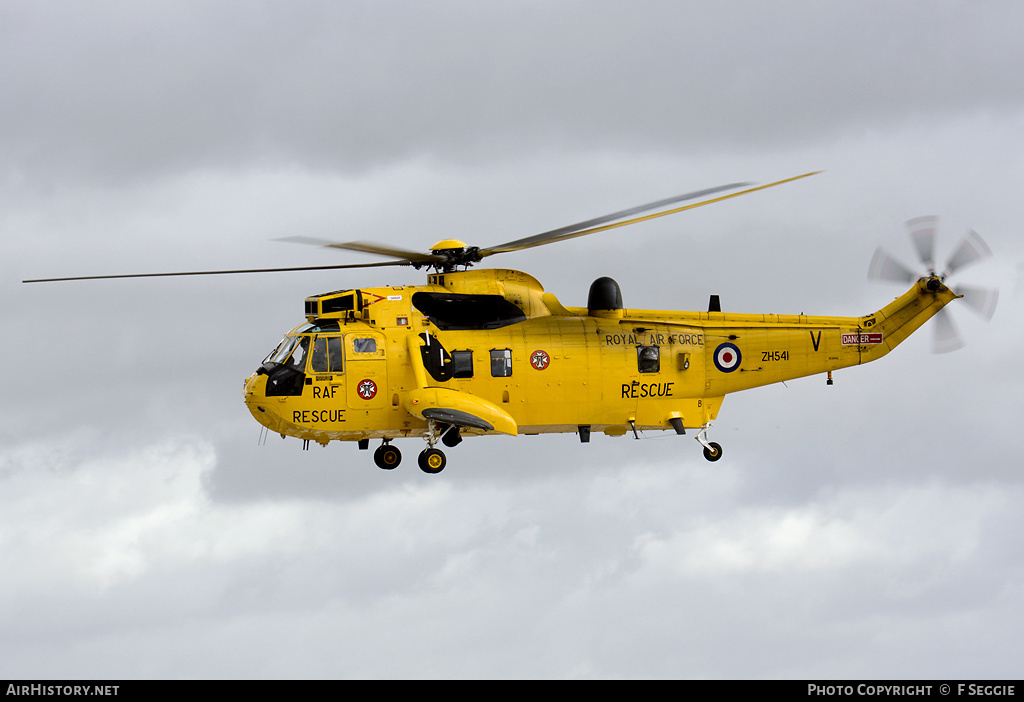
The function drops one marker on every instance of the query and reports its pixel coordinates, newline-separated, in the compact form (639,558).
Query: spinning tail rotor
(972,248)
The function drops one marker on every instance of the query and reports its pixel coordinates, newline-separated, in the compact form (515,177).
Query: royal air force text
(653,340)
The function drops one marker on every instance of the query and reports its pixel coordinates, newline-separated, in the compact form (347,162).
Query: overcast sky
(867,529)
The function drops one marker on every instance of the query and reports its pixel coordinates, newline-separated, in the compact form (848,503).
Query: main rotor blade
(885,267)
(563,232)
(981,300)
(922,233)
(946,338)
(226,272)
(971,249)
(583,228)
(368,247)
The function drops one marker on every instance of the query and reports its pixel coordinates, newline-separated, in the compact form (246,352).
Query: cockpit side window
(298,358)
(327,355)
(286,367)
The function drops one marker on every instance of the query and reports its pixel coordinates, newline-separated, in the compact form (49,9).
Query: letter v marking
(816,341)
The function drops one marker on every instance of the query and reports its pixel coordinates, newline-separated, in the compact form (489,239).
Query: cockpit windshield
(290,352)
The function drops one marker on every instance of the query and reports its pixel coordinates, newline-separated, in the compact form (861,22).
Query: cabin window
(501,363)
(327,355)
(648,359)
(364,345)
(462,364)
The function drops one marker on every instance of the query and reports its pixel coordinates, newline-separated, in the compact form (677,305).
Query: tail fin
(891,325)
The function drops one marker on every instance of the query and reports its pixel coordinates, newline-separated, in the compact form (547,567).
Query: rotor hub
(447,245)
(453,253)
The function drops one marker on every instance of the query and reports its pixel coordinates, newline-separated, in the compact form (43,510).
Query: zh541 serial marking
(488,351)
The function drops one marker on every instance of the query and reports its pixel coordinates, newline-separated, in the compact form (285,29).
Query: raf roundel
(727,357)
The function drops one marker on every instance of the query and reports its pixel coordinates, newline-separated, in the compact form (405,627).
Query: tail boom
(788,347)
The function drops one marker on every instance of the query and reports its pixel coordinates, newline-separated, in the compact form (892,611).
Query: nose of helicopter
(256,399)
(255,385)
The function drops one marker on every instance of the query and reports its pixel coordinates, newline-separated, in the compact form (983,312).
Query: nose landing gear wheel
(714,452)
(432,460)
(387,457)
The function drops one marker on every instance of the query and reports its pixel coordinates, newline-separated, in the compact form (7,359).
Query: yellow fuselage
(372,362)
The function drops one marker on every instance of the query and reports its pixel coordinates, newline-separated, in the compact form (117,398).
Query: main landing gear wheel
(432,460)
(713,451)
(387,457)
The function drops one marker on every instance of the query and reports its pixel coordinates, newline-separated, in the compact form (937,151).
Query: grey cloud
(116,93)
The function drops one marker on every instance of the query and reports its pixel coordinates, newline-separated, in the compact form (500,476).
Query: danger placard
(862,339)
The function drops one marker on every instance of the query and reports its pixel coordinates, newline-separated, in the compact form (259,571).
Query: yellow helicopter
(488,351)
